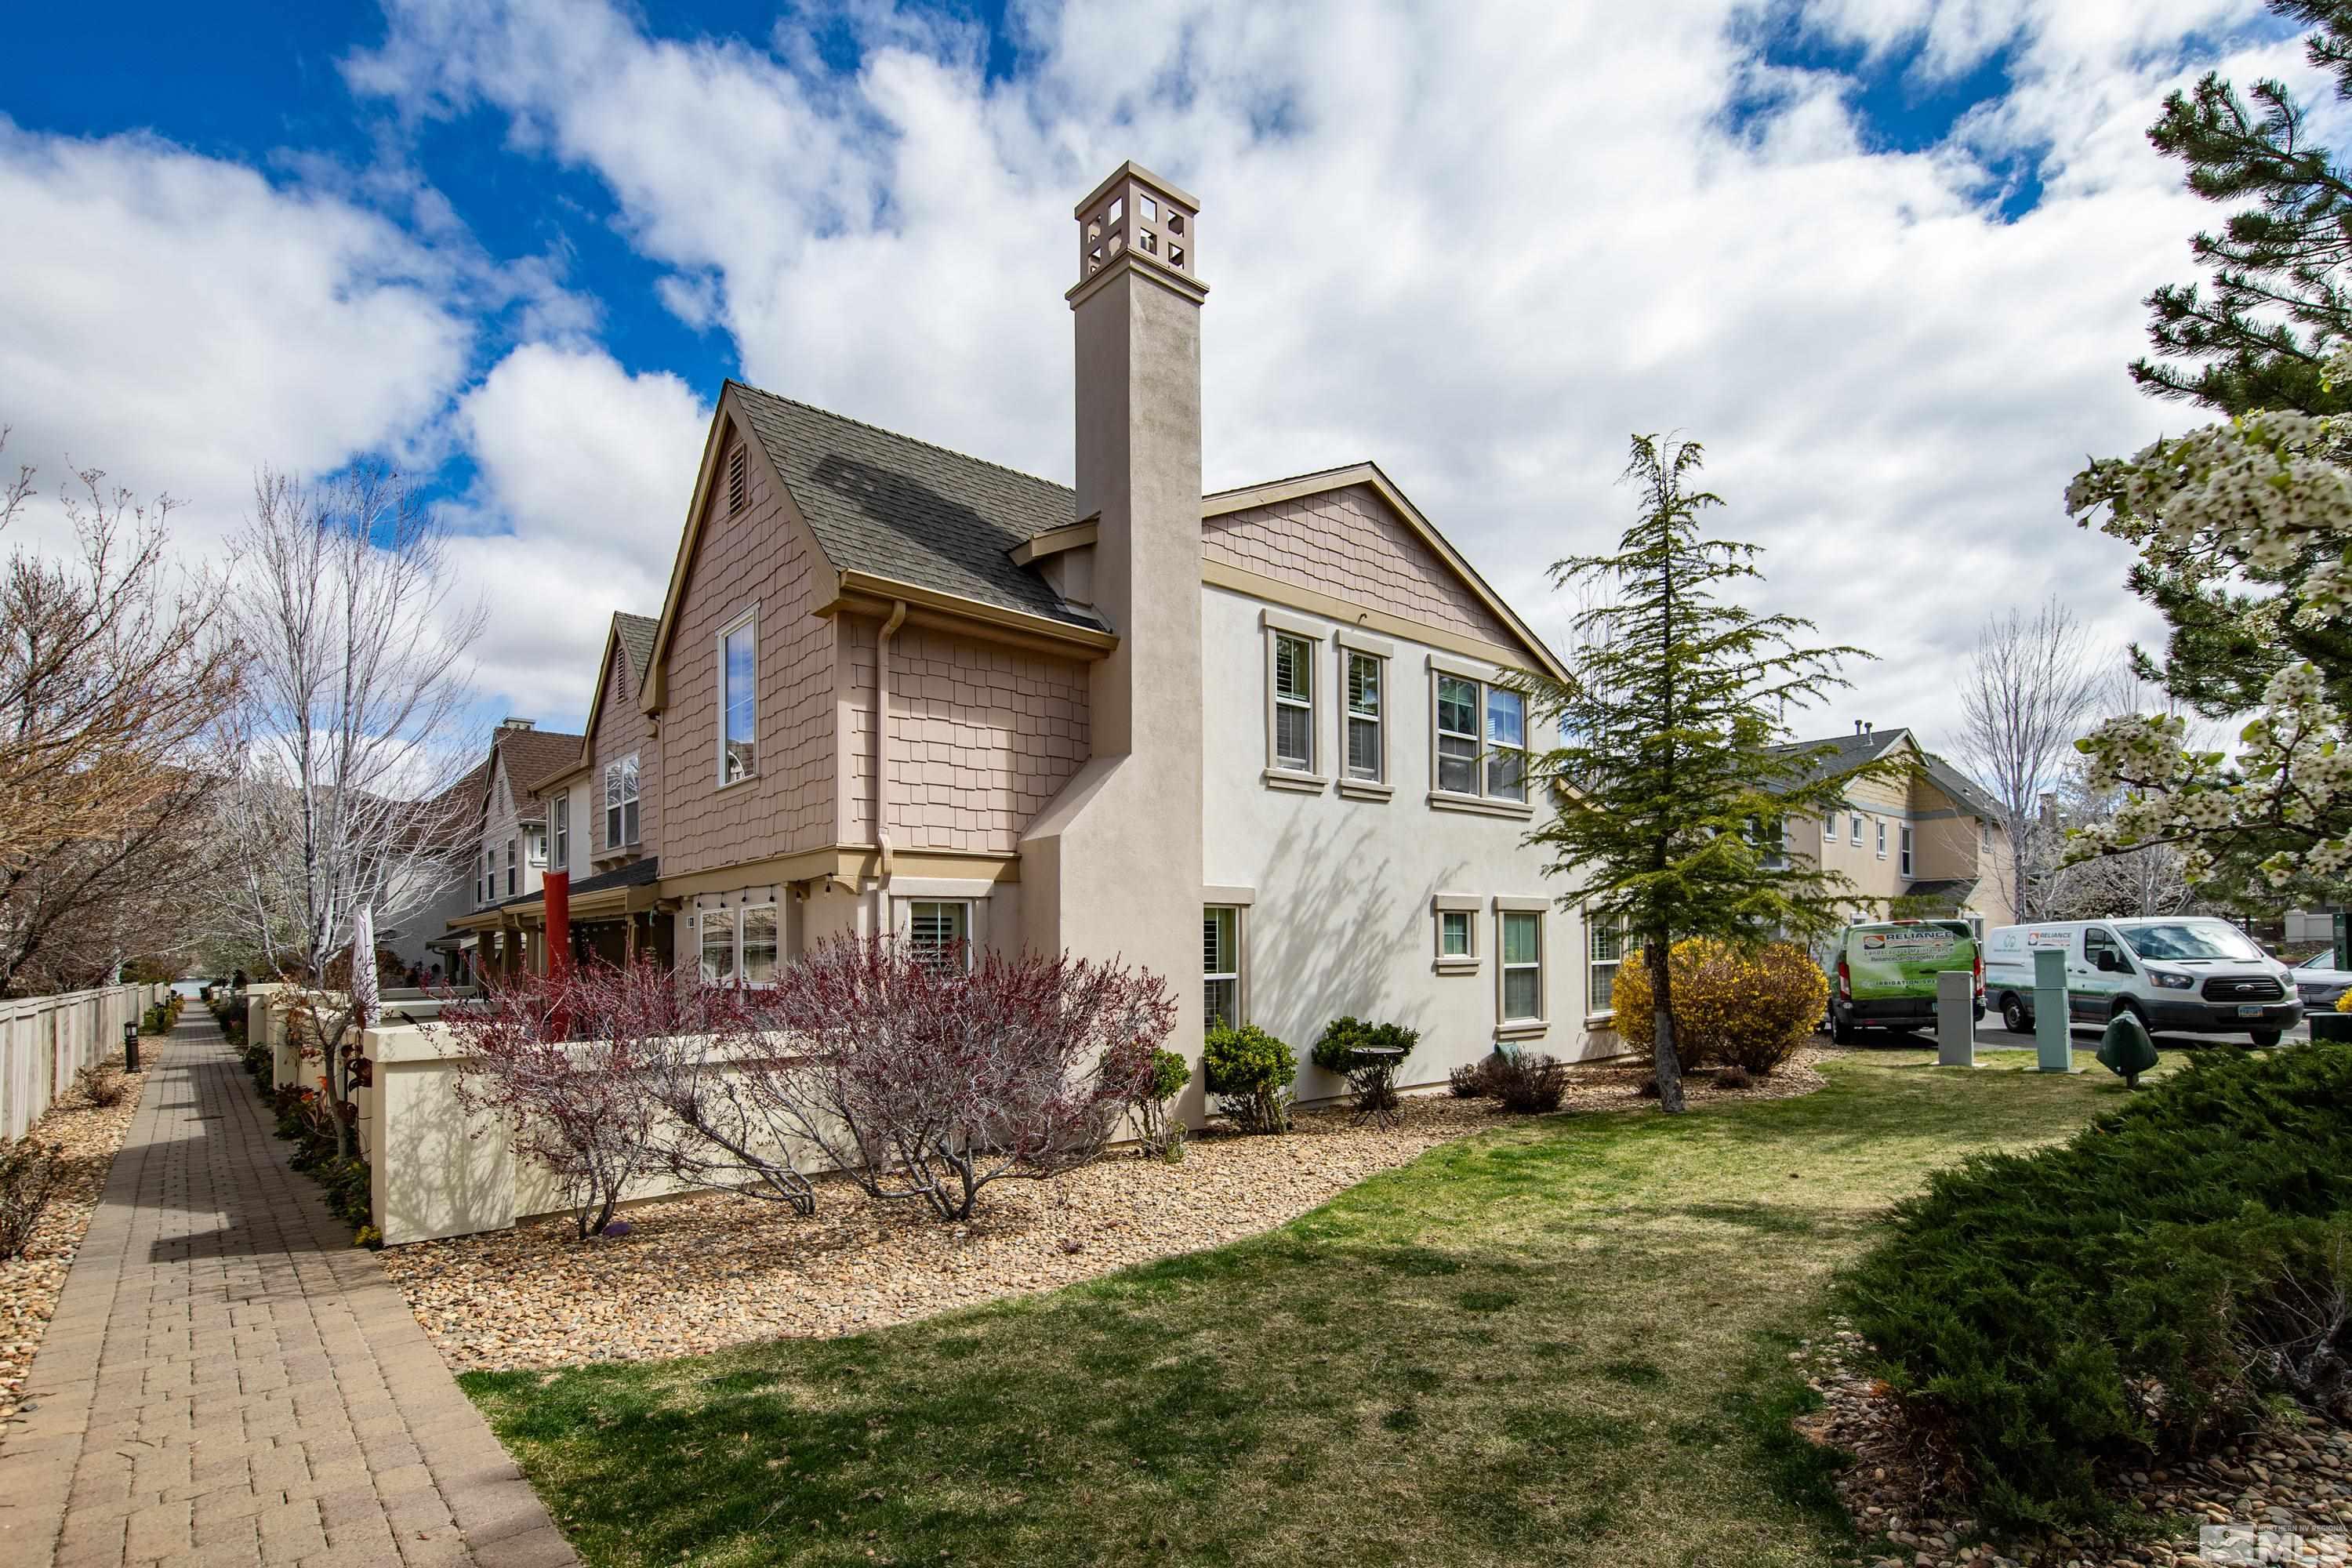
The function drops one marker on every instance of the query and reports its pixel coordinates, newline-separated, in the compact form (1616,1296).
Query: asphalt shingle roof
(910,512)
(636,634)
(1851,752)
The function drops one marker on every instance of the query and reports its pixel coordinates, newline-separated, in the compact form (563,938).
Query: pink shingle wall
(1347,543)
(982,737)
(622,727)
(764,556)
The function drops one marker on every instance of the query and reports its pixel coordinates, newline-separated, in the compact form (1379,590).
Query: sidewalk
(230,1381)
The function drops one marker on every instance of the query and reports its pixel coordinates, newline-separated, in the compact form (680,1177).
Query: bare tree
(2148,880)
(356,685)
(2028,693)
(115,665)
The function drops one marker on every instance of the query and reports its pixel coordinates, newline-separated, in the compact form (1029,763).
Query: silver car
(2320,985)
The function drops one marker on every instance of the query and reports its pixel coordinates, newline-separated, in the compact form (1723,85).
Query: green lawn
(1563,1342)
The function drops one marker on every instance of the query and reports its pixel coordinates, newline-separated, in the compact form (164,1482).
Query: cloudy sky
(1883,257)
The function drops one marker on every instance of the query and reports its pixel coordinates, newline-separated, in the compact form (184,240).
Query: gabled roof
(529,756)
(1218,503)
(633,637)
(1850,752)
(897,508)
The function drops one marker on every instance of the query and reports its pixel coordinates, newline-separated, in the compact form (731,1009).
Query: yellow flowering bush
(1734,1006)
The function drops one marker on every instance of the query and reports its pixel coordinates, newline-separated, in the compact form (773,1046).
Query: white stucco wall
(1341,914)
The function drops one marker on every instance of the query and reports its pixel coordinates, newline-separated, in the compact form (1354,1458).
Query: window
(1367,757)
(511,868)
(1522,944)
(1220,966)
(559,817)
(1506,744)
(739,754)
(535,842)
(1854,826)
(738,477)
(1454,934)
(758,964)
(940,934)
(1605,943)
(1294,703)
(1903,843)
(1984,836)
(1482,740)
(1457,735)
(738,945)
(621,802)
(719,947)
(1829,829)
(1879,825)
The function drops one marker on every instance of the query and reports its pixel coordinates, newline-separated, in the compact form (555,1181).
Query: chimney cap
(511,722)
(1131,170)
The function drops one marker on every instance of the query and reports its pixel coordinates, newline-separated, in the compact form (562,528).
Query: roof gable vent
(739,479)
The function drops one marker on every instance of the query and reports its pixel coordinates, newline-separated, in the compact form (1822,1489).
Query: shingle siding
(622,727)
(1348,544)
(762,556)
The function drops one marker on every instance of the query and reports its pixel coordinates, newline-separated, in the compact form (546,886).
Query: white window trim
(1467,906)
(1902,842)
(1602,1017)
(1483,679)
(1275,625)
(735,906)
(1352,784)
(1523,1028)
(1854,827)
(1239,974)
(514,878)
(903,921)
(751,619)
(615,814)
(1878,825)
(559,837)
(534,846)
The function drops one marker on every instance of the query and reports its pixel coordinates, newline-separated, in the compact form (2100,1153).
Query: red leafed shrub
(921,1080)
(568,1063)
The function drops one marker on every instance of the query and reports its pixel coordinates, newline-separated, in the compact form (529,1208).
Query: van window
(2191,939)
(2101,949)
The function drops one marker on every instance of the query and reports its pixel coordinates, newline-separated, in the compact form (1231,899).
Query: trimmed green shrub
(1163,1136)
(1343,1036)
(1250,1072)
(2121,1296)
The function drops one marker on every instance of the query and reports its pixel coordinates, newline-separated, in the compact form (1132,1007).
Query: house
(1263,742)
(1922,840)
(507,855)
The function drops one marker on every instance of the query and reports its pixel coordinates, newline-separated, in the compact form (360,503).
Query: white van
(2184,973)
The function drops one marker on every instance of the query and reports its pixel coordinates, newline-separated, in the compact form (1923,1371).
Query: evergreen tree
(2260,334)
(1668,781)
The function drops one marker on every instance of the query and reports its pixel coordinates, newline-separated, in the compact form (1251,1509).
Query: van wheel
(2013,1015)
(1841,1028)
(2265,1038)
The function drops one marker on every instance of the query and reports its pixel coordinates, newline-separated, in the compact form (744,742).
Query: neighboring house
(1925,840)
(451,821)
(1261,742)
(510,840)
(600,817)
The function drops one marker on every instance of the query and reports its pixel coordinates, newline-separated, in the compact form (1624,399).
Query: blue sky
(1884,256)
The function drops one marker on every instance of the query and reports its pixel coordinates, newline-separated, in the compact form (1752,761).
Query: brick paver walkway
(230,1381)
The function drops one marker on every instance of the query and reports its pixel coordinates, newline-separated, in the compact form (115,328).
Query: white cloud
(583,473)
(181,321)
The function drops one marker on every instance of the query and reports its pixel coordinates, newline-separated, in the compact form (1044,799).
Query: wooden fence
(45,1040)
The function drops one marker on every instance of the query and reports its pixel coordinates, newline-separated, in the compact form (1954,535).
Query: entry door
(2090,991)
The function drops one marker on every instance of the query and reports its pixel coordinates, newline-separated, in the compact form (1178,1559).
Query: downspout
(882,732)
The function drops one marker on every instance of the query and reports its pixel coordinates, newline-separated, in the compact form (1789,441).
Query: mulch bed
(2283,1494)
(29,1285)
(696,1274)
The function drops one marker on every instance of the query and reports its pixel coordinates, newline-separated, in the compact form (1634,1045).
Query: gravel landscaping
(696,1274)
(2281,1495)
(29,1285)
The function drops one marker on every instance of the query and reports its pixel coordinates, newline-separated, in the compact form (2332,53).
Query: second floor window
(1457,735)
(621,802)
(1365,753)
(1482,740)
(535,846)
(1905,842)
(1881,826)
(1855,826)
(511,869)
(738,715)
(559,817)
(1294,703)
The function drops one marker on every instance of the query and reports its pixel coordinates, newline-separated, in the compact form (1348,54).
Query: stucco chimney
(1113,866)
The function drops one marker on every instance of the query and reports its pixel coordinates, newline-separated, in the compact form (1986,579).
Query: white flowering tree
(2255,516)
